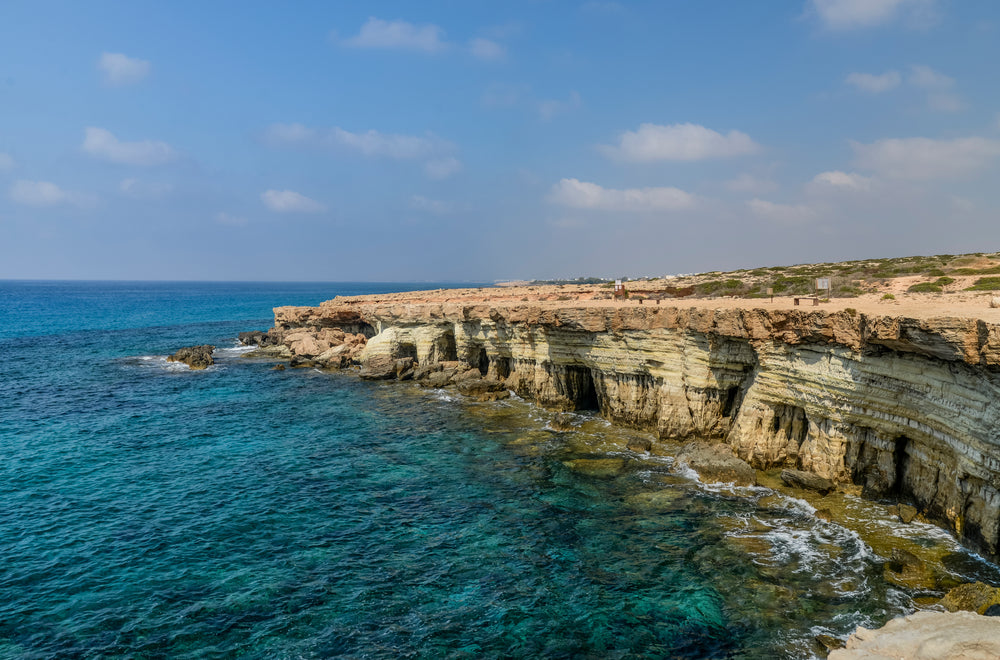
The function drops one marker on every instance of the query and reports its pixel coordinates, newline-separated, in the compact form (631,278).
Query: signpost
(770,292)
(823,284)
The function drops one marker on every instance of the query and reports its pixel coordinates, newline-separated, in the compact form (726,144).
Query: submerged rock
(196,357)
(806,480)
(972,597)
(597,467)
(926,636)
(717,464)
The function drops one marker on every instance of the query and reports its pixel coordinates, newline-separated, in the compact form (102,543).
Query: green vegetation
(986,284)
(888,296)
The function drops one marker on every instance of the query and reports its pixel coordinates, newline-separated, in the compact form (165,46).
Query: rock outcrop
(901,408)
(196,357)
(926,636)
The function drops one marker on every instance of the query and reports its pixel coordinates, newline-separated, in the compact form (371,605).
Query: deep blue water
(149,511)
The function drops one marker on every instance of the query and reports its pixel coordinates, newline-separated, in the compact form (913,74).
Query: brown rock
(196,357)
(972,597)
(716,463)
(806,480)
(907,513)
(926,636)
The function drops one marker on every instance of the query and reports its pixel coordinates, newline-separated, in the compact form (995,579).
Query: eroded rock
(972,597)
(716,463)
(196,357)
(806,480)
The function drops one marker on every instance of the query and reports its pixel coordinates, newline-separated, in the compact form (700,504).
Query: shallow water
(152,511)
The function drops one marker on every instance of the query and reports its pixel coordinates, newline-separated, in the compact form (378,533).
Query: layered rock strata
(903,408)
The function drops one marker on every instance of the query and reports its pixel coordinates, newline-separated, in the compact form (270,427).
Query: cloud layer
(920,159)
(679,142)
(583,195)
(101,143)
(118,69)
(289,201)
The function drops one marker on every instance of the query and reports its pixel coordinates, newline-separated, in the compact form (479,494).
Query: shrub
(986,284)
(732,284)
(935,272)
(888,296)
(925,287)
(851,311)
(945,281)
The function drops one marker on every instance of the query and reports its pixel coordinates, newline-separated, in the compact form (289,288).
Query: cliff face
(904,408)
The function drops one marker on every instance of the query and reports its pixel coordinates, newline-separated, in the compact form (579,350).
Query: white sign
(823,283)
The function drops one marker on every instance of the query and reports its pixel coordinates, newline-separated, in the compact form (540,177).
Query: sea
(151,511)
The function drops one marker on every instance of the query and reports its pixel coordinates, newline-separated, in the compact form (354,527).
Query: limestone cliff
(904,408)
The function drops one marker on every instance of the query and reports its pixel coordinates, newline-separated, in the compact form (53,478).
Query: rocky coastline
(894,408)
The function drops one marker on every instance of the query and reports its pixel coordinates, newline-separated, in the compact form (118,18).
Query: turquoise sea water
(149,511)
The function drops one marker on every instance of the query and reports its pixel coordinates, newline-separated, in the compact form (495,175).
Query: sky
(452,140)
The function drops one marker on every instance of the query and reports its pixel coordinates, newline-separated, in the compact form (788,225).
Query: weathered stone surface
(901,407)
(972,597)
(907,513)
(716,463)
(196,357)
(806,480)
(926,636)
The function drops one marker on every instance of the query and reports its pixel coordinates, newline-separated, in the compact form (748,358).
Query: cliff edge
(901,407)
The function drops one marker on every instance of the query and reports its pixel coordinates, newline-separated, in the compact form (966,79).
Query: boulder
(807,481)
(196,357)
(907,513)
(378,367)
(306,344)
(716,463)
(926,636)
(484,389)
(972,597)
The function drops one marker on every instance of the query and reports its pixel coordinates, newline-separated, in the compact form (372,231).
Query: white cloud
(100,143)
(550,108)
(224,218)
(945,103)
(434,206)
(46,193)
(927,78)
(374,143)
(370,143)
(6,162)
(841,181)
(869,82)
(289,201)
(442,168)
(747,183)
(786,214)
(486,49)
(377,33)
(924,158)
(144,190)
(679,142)
(120,69)
(850,14)
(434,151)
(583,195)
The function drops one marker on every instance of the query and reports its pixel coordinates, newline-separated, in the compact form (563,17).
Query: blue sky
(476,140)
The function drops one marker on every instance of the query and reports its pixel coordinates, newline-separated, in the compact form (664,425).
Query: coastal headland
(893,400)
(891,397)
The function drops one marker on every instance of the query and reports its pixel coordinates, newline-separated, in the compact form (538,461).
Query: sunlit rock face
(903,408)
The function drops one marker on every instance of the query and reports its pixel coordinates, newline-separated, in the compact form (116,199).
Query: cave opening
(901,459)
